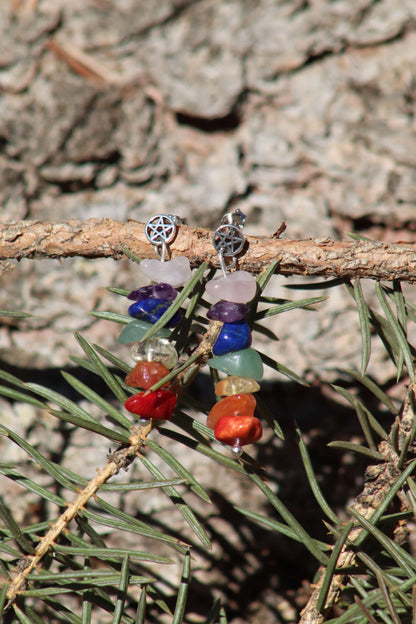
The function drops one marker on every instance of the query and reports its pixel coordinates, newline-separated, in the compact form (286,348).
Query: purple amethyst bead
(228,311)
(154,291)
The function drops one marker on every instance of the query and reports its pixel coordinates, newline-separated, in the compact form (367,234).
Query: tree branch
(120,459)
(103,238)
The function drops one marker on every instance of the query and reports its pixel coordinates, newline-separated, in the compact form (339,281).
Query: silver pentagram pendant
(160,229)
(228,240)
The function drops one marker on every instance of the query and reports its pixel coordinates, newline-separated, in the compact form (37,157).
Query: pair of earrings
(232,417)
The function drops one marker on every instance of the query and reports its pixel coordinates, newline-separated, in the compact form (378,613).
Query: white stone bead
(175,272)
(155,350)
(238,287)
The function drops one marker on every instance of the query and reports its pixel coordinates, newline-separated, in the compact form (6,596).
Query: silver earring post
(236,217)
(228,239)
(161,230)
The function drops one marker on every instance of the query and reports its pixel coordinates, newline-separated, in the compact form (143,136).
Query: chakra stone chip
(228,311)
(236,385)
(155,291)
(238,287)
(146,374)
(236,405)
(238,430)
(244,363)
(151,310)
(175,272)
(135,330)
(155,350)
(158,404)
(232,337)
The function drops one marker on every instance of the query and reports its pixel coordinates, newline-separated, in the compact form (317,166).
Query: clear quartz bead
(155,350)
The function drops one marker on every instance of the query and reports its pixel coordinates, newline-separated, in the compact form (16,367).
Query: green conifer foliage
(66,568)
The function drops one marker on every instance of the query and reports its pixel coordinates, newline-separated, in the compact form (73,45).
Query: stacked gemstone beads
(232,417)
(155,356)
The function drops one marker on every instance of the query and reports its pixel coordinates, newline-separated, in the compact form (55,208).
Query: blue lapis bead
(232,337)
(151,310)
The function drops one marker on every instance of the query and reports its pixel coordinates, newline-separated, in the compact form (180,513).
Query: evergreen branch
(103,238)
(183,590)
(363,314)
(382,483)
(198,357)
(121,459)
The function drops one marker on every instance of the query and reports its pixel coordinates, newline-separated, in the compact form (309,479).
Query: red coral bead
(235,405)
(158,404)
(145,374)
(238,430)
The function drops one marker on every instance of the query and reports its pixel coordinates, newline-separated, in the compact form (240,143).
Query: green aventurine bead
(244,363)
(134,331)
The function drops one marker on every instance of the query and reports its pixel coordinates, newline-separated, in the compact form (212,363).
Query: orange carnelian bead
(238,430)
(158,404)
(235,405)
(145,374)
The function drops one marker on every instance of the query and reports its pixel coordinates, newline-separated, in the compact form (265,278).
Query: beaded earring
(232,417)
(155,356)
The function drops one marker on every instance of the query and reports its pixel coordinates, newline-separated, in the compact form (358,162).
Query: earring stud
(228,239)
(232,418)
(161,230)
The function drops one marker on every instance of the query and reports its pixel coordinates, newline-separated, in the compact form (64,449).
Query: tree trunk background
(297,111)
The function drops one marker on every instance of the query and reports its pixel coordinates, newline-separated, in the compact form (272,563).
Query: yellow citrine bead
(236,385)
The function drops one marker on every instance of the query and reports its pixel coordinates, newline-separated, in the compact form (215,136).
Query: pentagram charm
(228,240)
(160,229)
